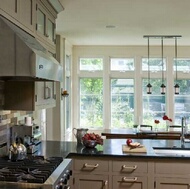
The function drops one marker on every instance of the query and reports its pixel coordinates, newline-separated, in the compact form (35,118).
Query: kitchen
(55,116)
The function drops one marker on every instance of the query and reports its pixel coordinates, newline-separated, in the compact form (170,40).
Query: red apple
(128,142)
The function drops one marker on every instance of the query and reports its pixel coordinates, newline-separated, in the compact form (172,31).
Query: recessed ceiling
(123,22)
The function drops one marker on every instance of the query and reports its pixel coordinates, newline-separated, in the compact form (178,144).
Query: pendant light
(149,86)
(162,87)
(176,86)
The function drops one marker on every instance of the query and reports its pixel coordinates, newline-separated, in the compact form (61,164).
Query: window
(155,64)
(122,64)
(122,103)
(154,106)
(91,64)
(182,101)
(68,88)
(113,91)
(91,102)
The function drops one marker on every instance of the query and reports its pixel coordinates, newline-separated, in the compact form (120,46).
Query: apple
(128,142)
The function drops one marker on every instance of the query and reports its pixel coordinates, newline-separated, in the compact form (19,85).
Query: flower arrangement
(156,121)
(166,118)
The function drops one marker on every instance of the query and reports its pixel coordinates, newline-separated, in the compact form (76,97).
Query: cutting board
(127,149)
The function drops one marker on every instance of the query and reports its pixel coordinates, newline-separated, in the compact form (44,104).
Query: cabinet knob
(105,184)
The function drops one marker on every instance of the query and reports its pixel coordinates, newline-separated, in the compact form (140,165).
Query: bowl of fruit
(90,140)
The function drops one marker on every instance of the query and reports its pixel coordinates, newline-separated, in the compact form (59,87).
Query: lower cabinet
(91,181)
(121,182)
(120,173)
(172,183)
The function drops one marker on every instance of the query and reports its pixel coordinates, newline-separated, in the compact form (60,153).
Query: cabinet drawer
(130,167)
(121,182)
(91,165)
(172,168)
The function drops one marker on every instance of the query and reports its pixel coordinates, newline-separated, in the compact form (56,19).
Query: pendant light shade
(162,87)
(149,86)
(176,86)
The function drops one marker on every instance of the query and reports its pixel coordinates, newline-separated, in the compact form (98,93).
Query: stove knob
(64,179)
(59,186)
(68,173)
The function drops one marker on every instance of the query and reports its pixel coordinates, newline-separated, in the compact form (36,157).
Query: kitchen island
(110,168)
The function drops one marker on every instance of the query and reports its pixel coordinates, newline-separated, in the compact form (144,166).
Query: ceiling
(83,22)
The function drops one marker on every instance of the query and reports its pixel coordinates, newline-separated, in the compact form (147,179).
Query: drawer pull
(125,179)
(127,167)
(91,166)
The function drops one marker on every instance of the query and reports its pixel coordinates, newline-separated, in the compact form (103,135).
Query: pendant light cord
(162,63)
(176,57)
(148,62)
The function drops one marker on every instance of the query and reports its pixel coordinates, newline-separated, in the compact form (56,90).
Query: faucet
(182,138)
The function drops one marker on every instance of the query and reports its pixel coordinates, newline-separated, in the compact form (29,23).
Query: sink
(172,151)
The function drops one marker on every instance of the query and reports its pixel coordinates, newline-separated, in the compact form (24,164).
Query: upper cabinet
(45,24)
(36,17)
(20,12)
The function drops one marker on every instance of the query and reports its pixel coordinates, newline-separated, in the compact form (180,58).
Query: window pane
(153,104)
(122,103)
(122,64)
(182,101)
(91,102)
(183,65)
(155,64)
(91,64)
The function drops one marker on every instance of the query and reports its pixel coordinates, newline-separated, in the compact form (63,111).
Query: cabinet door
(27,16)
(172,183)
(45,26)
(122,182)
(10,7)
(91,181)
(45,95)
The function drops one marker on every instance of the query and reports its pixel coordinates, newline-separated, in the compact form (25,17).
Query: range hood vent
(22,57)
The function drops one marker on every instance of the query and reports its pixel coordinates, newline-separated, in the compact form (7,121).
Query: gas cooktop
(36,171)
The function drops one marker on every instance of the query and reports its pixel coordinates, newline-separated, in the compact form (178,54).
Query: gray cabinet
(91,173)
(45,24)
(172,174)
(135,182)
(172,183)
(29,95)
(20,12)
(85,181)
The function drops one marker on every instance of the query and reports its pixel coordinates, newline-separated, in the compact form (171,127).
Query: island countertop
(112,148)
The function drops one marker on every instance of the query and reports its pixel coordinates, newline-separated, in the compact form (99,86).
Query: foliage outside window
(183,65)
(91,102)
(155,64)
(182,101)
(154,105)
(122,103)
(122,64)
(91,64)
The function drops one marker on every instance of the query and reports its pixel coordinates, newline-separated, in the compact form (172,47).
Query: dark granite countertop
(110,148)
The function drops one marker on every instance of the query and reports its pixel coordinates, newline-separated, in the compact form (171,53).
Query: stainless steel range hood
(22,57)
